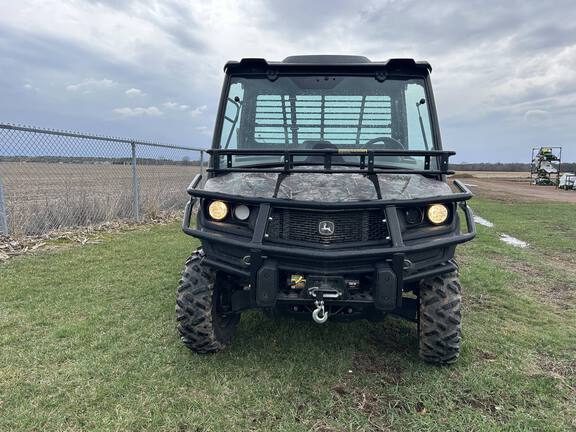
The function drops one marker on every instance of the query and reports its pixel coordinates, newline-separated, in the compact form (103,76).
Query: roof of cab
(328,62)
(326,59)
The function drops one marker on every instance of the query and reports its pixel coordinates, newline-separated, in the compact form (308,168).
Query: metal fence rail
(53,179)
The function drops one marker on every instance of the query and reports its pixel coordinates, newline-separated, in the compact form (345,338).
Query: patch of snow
(513,241)
(481,221)
(470,185)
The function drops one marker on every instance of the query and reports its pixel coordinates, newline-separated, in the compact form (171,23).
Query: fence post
(3,215)
(135,186)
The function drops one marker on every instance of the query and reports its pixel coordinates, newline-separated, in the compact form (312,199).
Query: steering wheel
(389,142)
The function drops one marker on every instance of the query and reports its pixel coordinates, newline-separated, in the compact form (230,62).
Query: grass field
(87,342)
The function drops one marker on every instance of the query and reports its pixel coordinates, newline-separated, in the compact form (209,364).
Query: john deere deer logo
(326,228)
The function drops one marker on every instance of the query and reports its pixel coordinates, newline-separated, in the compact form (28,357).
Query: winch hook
(319,315)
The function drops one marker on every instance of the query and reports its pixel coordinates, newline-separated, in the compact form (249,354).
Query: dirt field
(33,181)
(44,196)
(512,187)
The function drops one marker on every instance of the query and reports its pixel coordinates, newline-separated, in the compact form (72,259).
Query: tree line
(505,166)
(186,161)
(100,160)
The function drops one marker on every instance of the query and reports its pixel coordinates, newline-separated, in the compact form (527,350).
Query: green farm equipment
(545,166)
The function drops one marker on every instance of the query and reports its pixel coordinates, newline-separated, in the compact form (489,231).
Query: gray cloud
(544,37)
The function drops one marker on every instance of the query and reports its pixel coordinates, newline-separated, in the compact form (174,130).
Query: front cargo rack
(328,161)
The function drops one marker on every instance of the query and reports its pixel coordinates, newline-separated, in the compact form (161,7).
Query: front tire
(202,325)
(439,322)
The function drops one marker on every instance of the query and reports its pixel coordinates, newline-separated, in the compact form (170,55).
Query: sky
(504,72)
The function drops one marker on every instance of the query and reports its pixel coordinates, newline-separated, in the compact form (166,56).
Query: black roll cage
(394,68)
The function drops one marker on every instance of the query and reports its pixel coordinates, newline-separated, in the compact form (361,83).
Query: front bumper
(393,265)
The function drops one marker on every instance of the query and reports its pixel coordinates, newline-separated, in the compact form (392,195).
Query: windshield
(317,112)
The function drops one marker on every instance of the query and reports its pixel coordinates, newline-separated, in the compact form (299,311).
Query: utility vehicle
(327,199)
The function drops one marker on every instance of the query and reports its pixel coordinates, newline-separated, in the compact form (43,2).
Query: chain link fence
(55,179)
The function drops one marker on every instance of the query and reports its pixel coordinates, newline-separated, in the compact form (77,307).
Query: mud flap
(267,285)
(385,289)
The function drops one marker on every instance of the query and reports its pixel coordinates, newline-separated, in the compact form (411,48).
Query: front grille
(350,226)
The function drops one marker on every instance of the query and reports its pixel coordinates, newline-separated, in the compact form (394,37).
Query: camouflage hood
(328,187)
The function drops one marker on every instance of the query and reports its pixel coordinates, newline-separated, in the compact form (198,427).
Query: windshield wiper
(238,105)
(422,102)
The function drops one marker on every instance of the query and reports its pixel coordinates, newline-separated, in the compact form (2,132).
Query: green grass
(550,227)
(87,342)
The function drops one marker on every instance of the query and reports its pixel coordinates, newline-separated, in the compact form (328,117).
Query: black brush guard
(391,268)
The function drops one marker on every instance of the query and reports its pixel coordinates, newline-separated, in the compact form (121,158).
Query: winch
(320,287)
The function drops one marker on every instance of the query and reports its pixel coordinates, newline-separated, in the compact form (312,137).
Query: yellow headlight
(218,210)
(437,213)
